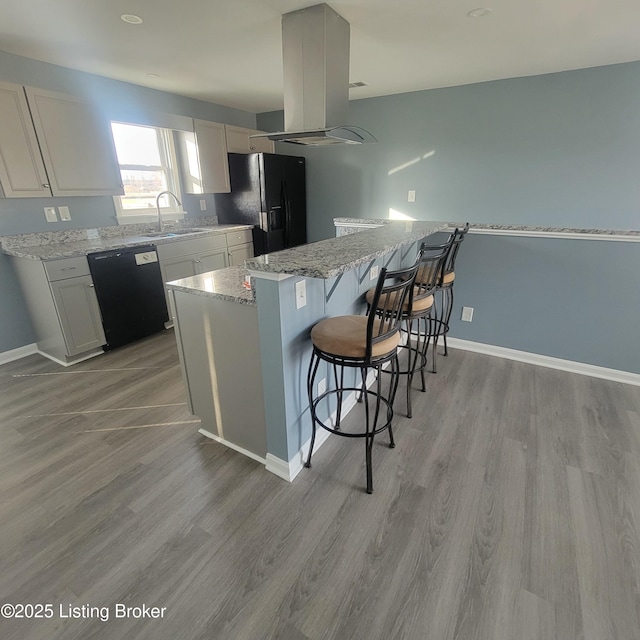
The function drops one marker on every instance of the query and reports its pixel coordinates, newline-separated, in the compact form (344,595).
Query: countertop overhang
(329,258)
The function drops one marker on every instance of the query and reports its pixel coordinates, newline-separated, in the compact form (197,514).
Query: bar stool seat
(363,343)
(346,336)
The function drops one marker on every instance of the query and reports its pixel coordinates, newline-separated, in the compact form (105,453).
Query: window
(148,165)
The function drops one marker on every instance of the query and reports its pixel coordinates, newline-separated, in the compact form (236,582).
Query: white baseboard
(87,356)
(16,354)
(235,447)
(581,368)
(289,470)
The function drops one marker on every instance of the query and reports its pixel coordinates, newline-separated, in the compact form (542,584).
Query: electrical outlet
(374,272)
(301,294)
(64,213)
(412,196)
(50,214)
(203,205)
(467,314)
(322,386)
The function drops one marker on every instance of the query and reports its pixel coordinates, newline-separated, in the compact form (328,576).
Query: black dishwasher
(130,293)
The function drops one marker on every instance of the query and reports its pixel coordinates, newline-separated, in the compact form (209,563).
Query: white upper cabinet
(238,141)
(211,142)
(260,145)
(76,143)
(203,158)
(22,172)
(53,144)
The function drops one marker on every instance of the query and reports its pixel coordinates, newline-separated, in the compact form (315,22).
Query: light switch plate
(203,205)
(374,272)
(467,314)
(301,294)
(412,196)
(64,213)
(50,214)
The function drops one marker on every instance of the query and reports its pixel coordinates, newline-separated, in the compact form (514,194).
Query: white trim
(88,356)
(626,377)
(20,352)
(235,447)
(289,470)
(565,235)
(268,275)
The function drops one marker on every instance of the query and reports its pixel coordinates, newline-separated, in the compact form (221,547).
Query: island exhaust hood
(315,53)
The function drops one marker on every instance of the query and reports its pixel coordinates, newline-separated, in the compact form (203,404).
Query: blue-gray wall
(557,150)
(119,101)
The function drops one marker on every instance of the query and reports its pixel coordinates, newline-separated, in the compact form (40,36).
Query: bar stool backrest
(385,311)
(456,239)
(433,259)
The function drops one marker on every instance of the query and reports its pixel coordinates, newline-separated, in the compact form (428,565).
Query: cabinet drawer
(177,248)
(66,268)
(239,237)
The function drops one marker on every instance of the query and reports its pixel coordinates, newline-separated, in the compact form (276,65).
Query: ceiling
(229,51)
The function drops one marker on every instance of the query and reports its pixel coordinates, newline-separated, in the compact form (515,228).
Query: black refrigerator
(267,191)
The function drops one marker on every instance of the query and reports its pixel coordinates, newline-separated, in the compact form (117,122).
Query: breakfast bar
(256,342)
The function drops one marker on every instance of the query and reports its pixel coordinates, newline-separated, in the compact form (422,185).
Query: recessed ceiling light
(480,12)
(131,19)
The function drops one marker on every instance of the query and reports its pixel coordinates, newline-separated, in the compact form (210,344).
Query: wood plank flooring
(509,510)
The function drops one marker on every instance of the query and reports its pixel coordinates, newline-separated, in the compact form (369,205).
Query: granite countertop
(224,284)
(497,227)
(76,242)
(329,258)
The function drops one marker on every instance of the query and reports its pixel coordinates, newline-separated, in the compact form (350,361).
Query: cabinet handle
(91,286)
(46,185)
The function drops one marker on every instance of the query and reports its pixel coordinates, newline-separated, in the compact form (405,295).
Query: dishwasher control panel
(146,257)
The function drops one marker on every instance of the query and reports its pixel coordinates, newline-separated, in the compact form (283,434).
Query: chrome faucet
(163,193)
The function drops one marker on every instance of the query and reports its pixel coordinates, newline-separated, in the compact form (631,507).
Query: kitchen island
(245,353)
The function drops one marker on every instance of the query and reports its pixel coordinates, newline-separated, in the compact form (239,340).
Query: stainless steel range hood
(315,52)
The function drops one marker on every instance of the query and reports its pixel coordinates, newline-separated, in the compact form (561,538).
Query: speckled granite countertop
(225,284)
(78,242)
(329,258)
(498,227)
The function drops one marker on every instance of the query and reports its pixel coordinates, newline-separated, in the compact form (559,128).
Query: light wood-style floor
(509,510)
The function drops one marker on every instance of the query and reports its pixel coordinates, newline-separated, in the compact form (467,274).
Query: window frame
(168,156)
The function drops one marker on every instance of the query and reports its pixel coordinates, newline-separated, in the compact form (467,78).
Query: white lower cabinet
(238,255)
(63,307)
(79,314)
(185,258)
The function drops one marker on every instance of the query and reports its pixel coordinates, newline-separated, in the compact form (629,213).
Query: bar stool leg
(449,310)
(339,387)
(313,368)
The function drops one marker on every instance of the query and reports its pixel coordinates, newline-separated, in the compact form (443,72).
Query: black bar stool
(445,291)
(366,343)
(417,312)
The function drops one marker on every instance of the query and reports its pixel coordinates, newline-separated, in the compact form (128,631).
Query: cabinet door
(237,139)
(79,314)
(22,173)
(212,154)
(261,145)
(178,268)
(212,260)
(76,143)
(240,253)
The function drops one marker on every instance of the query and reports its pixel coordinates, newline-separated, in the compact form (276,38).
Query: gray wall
(555,150)
(119,101)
